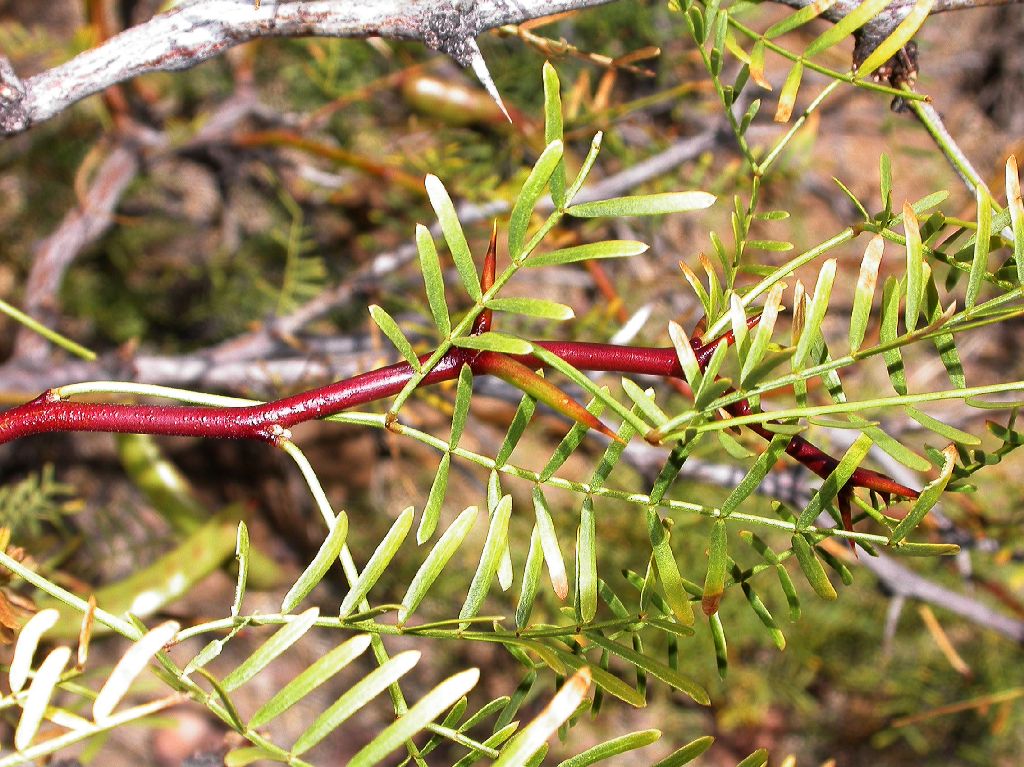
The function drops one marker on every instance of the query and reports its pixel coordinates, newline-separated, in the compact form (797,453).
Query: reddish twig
(48,413)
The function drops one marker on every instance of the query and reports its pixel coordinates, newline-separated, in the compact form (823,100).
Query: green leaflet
(885,182)
(532,307)
(500,736)
(524,412)
(553,130)
(928,498)
(687,753)
(328,554)
(865,291)
(443,550)
(755,476)
(812,568)
(354,698)
(532,189)
(394,333)
(531,579)
(900,36)
(687,357)
(889,331)
(460,411)
(494,495)
(927,549)
(613,747)
(280,641)
(1015,205)
(785,581)
(601,392)
(549,543)
(425,710)
(740,332)
(787,96)
(643,205)
(572,439)
(850,23)
(979,264)
(492,341)
(243,757)
(586,561)
(942,429)
(644,401)
(757,759)
(668,569)
(433,280)
(721,646)
(764,615)
(915,267)
(945,343)
(242,555)
(714,581)
(604,249)
(772,246)
(799,18)
(605,680)
(490,558)
(835,481)
(652,666)
(588,165)
(453,235)
(378,561)
(763,334)
(312,677)
(815,312)
(435,499)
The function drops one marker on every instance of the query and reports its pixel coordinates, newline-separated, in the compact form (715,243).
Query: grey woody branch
(197,30)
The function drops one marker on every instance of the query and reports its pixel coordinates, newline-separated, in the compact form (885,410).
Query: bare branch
(82,225)
(198,30)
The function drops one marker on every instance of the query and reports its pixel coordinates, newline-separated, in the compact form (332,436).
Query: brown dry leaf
(12,616)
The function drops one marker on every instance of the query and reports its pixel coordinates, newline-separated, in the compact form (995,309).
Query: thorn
(485,319)
(479,66)
(882,484)
(490,260)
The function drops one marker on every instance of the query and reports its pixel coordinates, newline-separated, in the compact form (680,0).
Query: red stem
(47,413)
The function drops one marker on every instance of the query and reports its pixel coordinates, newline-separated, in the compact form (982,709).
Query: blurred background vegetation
(213,238)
